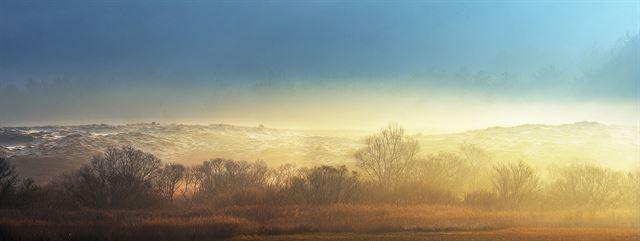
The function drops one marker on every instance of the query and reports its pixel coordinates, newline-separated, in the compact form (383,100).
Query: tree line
(390,171)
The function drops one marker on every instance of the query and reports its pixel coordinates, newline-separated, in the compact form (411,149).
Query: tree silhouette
(387,155)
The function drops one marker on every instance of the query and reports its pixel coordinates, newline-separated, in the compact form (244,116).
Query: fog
(318,120)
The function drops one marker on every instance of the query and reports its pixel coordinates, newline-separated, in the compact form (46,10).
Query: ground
(537,234)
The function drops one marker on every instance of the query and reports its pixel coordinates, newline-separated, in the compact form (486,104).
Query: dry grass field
(533,234)
(332,222)
(202,120)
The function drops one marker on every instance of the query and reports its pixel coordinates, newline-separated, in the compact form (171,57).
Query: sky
(320,64)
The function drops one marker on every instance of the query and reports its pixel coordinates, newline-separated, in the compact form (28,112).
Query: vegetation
(515,183)
(126,193)
(15,192)
(388,156)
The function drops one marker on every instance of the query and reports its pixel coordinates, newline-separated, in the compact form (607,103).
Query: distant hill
(614,146)
(44,152)
(51,150)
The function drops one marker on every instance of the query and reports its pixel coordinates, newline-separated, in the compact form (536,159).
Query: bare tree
(280,177)
(588,186)
(8,181)
(121,178)
(326,184)
(26,193)
(222,175)
(633,187)
(478,160)
(14,191)
(474,155)
(387,155)
(444,170)
(515,183)
(169,180)
(190,191)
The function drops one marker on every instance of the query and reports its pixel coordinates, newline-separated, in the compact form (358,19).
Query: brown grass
(511,234)
(310,222)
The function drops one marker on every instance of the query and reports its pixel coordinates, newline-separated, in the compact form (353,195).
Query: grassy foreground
(332,222)
(541,234)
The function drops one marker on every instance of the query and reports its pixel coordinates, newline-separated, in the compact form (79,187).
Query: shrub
(8,182)
(387,156)
(423,193)
(169,179)
(326,185)
(15,192)
(121,178)
(444,171)
(588,186)
(221,176)
(481,199)
(515,184)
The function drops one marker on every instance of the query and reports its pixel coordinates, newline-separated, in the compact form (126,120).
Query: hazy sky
(320,64)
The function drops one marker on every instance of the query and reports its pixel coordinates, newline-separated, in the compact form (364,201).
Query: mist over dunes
(47,151)
(319,120)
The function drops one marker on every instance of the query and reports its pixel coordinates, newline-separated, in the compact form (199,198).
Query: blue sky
(258,50)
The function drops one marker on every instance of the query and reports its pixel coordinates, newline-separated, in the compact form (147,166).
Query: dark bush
(326,185)
(481,199)
(121,178)
(423,193)
(13,191)
(8,182)
(221,177)
(588,187)
(516,184)
(169,180)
